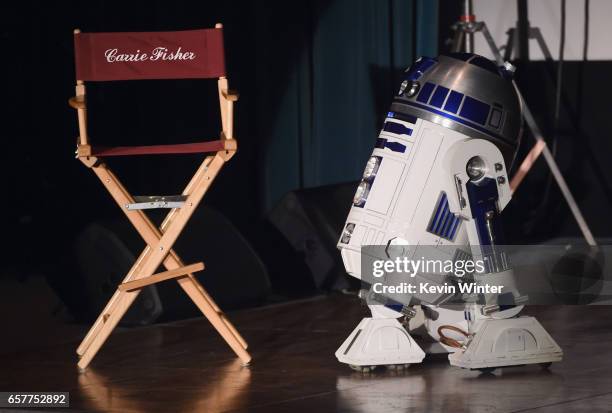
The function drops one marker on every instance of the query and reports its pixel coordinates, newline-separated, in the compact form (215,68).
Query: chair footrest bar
(153,202)
(162,276)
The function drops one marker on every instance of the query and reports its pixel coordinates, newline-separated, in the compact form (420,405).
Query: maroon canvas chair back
(149,55)
(184,54)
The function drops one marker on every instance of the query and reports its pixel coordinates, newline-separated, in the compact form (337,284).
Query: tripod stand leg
(554,169)
(526,165)
(509,44)
(489,39)
(535,33)
(541,143)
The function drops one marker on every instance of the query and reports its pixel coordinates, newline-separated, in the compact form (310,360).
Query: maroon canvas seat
(181,148)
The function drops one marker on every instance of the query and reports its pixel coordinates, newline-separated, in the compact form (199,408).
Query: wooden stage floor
(185,367)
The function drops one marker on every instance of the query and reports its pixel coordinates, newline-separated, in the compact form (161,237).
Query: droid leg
(496,336)
(379,340)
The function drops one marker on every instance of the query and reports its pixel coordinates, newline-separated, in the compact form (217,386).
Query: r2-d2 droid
(438,178)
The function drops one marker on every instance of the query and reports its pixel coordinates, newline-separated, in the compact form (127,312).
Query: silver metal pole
(468,17)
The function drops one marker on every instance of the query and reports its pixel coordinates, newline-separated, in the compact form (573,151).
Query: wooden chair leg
(211,302)
(110,306)
(102,318)
(143,268)
(107,327)
(172,261)
(193,289)
(150,233)
(151,258)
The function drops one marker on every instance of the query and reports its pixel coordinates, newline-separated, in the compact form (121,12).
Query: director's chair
(155,55)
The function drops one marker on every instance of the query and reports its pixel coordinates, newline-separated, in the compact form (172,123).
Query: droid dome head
(467,93)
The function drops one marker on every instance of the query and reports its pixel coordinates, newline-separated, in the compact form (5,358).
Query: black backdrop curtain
(315,77)
(324,83)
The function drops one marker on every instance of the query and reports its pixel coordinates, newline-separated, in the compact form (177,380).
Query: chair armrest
(231,95)
(77,102)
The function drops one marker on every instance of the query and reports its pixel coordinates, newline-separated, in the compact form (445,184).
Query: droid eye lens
(476,168)
(361,194)
(371,167)
(413,89)
(409,88)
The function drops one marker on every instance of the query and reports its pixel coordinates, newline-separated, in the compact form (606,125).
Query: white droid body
(434,186)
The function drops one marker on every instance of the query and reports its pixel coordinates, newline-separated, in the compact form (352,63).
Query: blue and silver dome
(467,93)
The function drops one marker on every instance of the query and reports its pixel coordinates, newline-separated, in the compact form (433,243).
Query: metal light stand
(464,30)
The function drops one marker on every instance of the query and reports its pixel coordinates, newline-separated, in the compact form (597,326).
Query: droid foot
(379,342)
(507,342)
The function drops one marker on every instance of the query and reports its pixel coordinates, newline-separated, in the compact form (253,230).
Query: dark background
(315,79)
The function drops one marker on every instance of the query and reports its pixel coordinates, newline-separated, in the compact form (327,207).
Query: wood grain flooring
(185,367)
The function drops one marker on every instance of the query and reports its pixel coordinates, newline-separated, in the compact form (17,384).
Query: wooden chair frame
(159,240)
